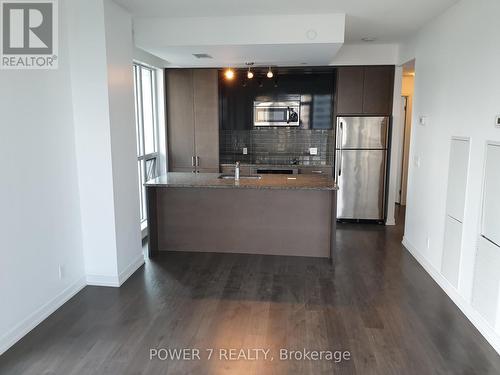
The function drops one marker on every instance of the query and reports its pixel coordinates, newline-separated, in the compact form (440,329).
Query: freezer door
(361,182)
(362,132)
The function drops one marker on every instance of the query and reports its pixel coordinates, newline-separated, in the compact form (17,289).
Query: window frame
(143,158)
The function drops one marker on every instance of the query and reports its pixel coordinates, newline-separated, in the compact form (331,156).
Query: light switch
(497,121)
(313,151)
(423,120)
(245,151)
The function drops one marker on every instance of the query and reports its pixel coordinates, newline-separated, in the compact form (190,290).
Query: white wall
(105,138)
(229,30)
(39,202)
(69,184)
(457,89)
(93,139)
(119,47)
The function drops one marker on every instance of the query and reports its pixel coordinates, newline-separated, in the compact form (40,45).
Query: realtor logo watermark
(29,34)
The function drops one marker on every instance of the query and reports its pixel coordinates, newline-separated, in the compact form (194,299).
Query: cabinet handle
(193,163)
(317,172)
(197,161)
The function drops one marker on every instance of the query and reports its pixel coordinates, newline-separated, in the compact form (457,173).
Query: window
(146,120)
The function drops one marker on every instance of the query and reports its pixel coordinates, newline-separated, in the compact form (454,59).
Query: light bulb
(229,74)
(249,74)
(270,73)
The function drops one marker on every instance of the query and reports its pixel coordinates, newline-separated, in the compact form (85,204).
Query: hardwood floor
(377,303)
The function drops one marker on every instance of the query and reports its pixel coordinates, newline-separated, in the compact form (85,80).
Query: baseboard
(35,318)
(116,281)
(103,280)
(474,317)
(131,268)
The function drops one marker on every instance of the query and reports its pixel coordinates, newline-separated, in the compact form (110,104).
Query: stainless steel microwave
(269,113)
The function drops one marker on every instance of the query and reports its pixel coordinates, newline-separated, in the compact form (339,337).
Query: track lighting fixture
(229,74)
(249,73)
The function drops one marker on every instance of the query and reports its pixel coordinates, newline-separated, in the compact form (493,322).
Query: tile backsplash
(277,146)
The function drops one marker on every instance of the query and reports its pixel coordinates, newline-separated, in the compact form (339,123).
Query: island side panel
(152,214)
(254,221)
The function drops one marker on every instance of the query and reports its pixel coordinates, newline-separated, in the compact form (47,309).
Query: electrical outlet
(245,151)
(61,272)
(497,122)
(423,120)
(313,151)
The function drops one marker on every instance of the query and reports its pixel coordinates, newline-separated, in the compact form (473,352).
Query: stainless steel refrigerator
(360,167)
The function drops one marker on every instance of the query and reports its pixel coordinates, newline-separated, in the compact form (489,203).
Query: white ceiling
(236,56)
(387,20)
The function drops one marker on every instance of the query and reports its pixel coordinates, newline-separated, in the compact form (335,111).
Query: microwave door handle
(287,115)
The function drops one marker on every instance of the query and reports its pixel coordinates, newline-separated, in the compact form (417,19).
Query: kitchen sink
(231,177)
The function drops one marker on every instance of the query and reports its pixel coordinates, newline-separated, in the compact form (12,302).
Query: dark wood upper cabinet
(206,119)
(180,119)
(350,90)
(378,90)
(365,90)
(192,120)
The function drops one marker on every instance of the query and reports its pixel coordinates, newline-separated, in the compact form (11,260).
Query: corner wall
(457,89)
(119,51)
(93,140)
(105,140)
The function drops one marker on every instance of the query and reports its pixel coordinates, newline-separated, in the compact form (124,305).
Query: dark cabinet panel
(365,90)
(206,118)
(378,90)
(350,90)
(193,120)
(180,119)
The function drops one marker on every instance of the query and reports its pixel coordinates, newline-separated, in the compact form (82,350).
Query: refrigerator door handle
(341,135)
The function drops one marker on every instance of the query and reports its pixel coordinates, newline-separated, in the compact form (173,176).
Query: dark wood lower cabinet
(238,220)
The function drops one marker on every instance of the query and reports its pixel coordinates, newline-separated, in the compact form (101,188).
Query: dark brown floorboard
(375,302)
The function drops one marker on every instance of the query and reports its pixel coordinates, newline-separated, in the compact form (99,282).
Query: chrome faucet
(237,171)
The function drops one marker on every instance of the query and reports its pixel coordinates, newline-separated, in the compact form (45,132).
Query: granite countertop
(268,181)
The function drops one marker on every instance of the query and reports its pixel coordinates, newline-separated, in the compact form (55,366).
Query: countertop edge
(171,186)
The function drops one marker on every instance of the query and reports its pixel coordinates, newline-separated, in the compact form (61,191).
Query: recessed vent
(202,56)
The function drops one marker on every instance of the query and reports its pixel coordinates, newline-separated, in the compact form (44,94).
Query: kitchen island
(267,214)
